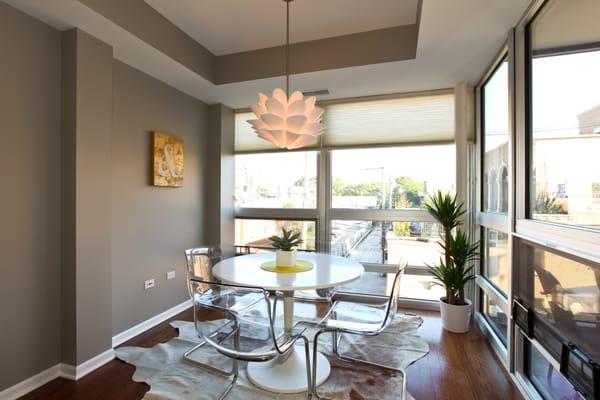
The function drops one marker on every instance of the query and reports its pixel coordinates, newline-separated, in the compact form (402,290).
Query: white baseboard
(77,372)
(30,384)
(149,323)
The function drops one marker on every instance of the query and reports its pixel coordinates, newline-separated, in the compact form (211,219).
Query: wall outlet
(148,284)
(170,275)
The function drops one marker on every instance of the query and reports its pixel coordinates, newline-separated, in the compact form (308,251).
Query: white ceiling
(231,26)
(457,41)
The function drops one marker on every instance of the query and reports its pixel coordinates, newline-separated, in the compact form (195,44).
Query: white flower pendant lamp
(288,121)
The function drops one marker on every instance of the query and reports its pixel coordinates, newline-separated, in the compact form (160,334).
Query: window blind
(390,121)
(554,31)
(410,119)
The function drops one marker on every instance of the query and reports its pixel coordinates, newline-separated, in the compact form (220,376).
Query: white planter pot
(285,258)
(455,318)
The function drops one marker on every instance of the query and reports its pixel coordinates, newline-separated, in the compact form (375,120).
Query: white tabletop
(328,271)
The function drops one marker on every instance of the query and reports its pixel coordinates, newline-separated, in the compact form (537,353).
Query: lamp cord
(287,48)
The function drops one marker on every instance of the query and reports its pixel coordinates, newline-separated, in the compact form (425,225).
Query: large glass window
(495,263)
(565,115)
(276,180)
(494,150)
(253,234)
(565,294)
(390,178)
(359,191)
(547,380)
(495,140)
(413,286)
(386,242)
(494,315)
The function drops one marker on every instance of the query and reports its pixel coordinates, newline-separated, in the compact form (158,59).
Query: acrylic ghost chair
(221,325)
(200,262)
(372,321)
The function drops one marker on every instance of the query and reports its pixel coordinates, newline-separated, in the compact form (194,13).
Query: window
(495,263)
(413,286)
(253,234)
(547,380)
(494,150)
(390,178)
(564,139)
(386,242)
(276,180)
(359,191)
(564,292)
(495,316)
(495,140)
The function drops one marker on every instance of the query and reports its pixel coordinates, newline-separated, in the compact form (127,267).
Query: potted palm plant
(286,246)
(455,269)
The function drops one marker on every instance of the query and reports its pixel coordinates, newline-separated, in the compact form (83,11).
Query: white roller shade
(566,23)
(390,121)
(407,119)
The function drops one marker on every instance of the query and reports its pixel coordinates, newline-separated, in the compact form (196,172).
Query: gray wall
(219,222)
(30,211)
(82,228)
(86,206)
(151,226)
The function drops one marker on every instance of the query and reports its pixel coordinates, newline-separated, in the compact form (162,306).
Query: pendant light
(288,121)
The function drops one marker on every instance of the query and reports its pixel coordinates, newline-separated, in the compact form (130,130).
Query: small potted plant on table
(286,245)
(455,269)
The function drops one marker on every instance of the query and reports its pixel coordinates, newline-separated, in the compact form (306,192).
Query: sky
(563,87)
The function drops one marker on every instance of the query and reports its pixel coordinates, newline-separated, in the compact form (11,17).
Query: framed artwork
(167,160)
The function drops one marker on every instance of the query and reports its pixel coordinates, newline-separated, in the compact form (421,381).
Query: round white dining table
(288,373)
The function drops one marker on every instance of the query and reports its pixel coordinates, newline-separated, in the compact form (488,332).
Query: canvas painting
(167,160)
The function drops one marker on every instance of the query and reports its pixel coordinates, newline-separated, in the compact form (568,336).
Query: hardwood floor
(458,367)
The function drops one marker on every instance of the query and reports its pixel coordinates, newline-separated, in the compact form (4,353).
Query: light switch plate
(170,275)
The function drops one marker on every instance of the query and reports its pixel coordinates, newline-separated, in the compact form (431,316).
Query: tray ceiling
(232,26)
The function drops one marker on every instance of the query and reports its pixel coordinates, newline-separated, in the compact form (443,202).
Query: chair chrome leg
(308,368)
(228,389)
(313,391)
(234,373)
(335,341)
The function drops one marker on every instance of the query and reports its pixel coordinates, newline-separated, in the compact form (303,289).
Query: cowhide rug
(169,376)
